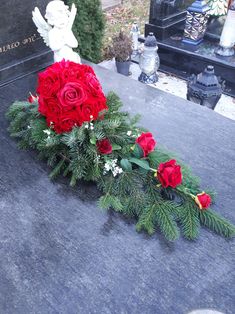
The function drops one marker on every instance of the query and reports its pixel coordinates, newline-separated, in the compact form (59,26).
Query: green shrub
(89,28)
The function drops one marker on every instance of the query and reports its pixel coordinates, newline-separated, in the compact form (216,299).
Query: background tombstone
(22,50)
(166,16)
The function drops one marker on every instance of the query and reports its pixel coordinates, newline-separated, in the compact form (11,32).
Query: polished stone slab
(22,49)
(61,254)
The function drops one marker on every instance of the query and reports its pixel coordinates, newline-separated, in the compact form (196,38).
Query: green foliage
(89,28)
(216,223)
(164,219)
(133,190)
(188,216)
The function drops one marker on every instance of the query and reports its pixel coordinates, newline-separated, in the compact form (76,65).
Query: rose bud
(32,98)
(169,174)
(146,142)
(203,200)
(104,146)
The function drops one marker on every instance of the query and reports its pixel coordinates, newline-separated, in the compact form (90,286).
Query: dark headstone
(166,17)
(21,48)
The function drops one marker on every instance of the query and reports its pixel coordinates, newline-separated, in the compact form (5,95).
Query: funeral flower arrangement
(84,135)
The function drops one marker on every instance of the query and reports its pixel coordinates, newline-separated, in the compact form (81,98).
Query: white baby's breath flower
(120,170)
(129,133)
(48,132)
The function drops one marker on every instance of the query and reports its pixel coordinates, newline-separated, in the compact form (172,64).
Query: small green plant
(120,49)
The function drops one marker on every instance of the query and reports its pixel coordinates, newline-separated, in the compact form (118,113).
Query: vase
(123,67)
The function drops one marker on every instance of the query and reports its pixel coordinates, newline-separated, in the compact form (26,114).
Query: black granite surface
(61,254)
(22,49)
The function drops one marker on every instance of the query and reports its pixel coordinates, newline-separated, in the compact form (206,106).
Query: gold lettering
(16,44)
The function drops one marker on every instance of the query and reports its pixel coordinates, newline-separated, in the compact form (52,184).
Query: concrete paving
(177,87)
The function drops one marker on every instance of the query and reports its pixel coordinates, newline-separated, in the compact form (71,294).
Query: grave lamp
(149,61)
(135,32)
(196,22)
(227,38)
(204,89)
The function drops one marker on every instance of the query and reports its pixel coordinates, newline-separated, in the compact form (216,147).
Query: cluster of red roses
(69,95)
(169,173)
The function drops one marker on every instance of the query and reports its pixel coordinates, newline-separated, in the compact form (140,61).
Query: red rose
(90,110)
(69,94)
(71,71)
(64,122)
(203,200)
(169,174)
(49,81)
(104,146)
(93,84)
(72,95)
(146,142)
(49,106)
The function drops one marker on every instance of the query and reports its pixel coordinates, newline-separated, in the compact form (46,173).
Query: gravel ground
(178,87)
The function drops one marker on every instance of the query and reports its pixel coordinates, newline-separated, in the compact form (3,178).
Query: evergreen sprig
(133,191)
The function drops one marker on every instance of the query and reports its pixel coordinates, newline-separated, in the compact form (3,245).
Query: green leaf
(153,158)
(126,165)
(137,151)
(93,141)
(116,147)
(140,162)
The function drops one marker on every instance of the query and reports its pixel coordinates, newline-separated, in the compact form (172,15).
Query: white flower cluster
(47,132)
(129,133)
(111,165)
(89,125)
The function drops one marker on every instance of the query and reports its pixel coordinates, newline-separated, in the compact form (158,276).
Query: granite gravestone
(61,254)
(166,17)
(21,48)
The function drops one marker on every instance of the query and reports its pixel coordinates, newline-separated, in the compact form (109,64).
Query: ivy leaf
(126,165)
(137,151)
(116,147)
(141,162)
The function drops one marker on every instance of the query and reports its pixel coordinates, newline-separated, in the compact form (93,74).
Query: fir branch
(146,220)
(109,201)
(56,171)
(188,216)
(216,223)
(164,219)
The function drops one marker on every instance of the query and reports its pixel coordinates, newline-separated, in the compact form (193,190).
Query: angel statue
(57,31)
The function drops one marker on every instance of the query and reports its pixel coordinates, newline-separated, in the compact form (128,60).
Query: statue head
(57,13)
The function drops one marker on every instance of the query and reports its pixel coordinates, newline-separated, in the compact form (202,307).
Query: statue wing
(42,26)
(72,16)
